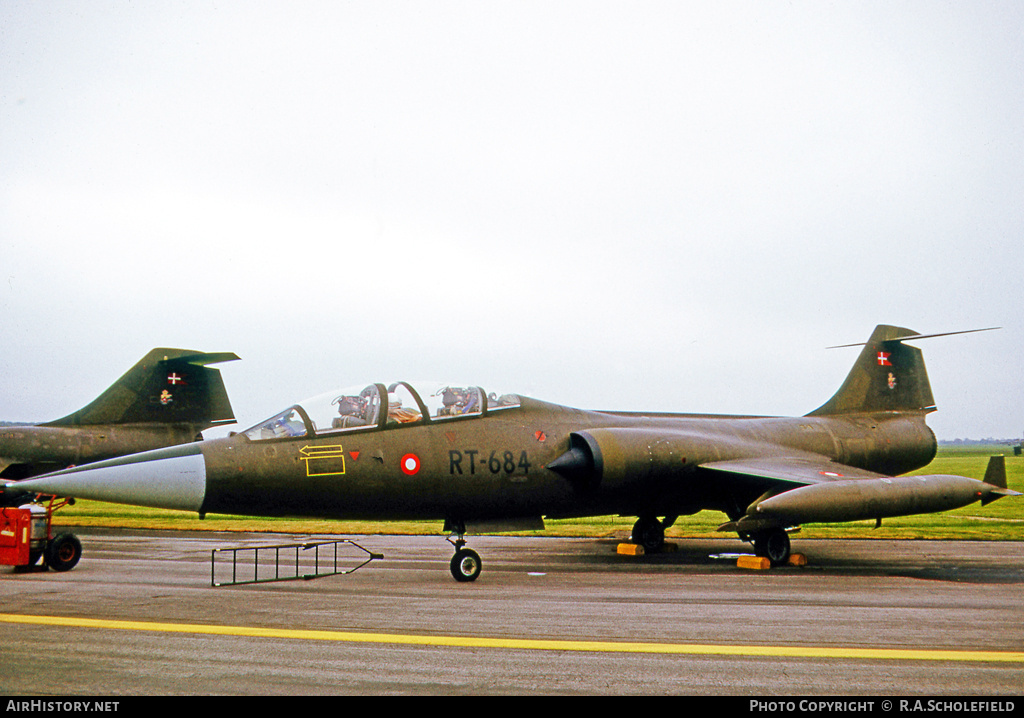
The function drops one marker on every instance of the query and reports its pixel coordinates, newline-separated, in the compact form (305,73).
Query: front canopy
(376,406)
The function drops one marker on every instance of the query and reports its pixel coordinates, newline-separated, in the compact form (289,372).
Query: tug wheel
(63,552)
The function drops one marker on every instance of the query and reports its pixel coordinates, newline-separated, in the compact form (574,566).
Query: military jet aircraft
(464,456)
(167,398)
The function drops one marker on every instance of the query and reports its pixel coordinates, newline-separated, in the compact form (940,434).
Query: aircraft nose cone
(572,463)
(171,478)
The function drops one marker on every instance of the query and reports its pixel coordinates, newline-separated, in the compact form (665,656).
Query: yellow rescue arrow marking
(329,460)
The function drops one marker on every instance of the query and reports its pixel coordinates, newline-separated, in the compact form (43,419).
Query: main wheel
(649,533)
(466,565)
(63,552)
(773,545)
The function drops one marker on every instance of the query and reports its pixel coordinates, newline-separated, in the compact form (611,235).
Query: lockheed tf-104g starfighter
(466,456)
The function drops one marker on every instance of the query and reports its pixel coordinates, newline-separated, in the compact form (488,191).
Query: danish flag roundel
(410,464)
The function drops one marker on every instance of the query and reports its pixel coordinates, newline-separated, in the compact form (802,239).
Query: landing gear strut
(465,564)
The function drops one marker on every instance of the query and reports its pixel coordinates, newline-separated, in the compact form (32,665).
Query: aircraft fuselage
(30,450)
(495,466)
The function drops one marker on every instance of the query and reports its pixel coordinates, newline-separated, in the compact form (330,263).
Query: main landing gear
(465,564)
(649,532)
(772,544)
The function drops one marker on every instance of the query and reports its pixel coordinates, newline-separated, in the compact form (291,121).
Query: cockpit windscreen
(374,406)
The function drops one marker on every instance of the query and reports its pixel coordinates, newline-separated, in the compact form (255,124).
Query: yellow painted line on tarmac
(696,649)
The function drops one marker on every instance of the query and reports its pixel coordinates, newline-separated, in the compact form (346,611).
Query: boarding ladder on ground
(285,562)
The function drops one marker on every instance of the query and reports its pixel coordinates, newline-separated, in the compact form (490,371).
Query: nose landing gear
(465,564)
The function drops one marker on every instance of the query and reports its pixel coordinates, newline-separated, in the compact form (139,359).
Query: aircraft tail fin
(888,375)
(172,386)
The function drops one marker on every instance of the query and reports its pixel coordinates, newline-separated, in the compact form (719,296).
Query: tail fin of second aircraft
(166,386)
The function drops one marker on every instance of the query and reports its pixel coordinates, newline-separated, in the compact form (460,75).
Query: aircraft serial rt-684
(463,455)
(169,397)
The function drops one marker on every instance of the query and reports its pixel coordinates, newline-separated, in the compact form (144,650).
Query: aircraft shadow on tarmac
(825,558)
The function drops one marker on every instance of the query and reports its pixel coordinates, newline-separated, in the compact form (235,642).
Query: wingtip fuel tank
(859,499)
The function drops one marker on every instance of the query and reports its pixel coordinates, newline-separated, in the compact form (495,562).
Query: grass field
(1002,520)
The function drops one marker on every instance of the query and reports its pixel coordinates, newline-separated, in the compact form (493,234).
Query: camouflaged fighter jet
(167,398)
(466,456)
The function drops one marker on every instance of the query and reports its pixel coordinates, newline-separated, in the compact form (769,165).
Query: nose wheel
(465,564)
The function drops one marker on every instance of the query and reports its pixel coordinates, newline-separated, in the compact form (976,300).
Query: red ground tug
(26,534)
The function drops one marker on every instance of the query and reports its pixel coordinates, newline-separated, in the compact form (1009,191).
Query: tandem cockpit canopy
(376,406)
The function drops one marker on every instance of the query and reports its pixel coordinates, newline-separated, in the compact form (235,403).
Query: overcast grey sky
(660,205)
